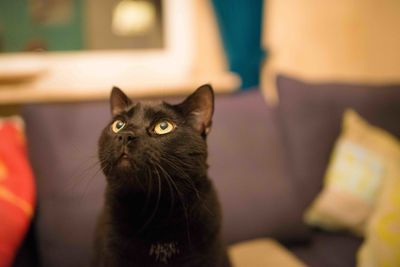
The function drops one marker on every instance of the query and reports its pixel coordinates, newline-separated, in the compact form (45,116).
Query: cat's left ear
(119,101)
(199,108)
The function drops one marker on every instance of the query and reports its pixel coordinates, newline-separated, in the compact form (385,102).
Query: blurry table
(86,76)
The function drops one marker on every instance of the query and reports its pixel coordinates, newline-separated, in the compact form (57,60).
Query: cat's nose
(126,138)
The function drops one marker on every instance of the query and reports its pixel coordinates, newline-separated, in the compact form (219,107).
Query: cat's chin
(124,162)
(123,166)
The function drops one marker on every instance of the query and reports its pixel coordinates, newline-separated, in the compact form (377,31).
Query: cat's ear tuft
(118,101)
(199,108)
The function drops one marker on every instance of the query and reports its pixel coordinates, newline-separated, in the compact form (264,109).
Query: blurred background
(304,150)
(128,42)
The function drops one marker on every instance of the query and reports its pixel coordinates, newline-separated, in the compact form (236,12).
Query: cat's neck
(134,210)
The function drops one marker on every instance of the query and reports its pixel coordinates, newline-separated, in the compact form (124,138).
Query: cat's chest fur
(182,240)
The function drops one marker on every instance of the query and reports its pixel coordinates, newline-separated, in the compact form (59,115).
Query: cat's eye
(164,127)
(117,126)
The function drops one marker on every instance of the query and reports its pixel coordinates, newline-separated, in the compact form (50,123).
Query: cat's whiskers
(88,183)
(182,174)
(187,179)
(79,174)
(149,189)
(100,165)
(78,178)
(172,196)
(157,203)
(153,161)
(167,176)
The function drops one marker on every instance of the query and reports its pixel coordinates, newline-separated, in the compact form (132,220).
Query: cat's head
(146,140)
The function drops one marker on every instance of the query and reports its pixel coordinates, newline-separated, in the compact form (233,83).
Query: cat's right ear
(199,108)
(118,101)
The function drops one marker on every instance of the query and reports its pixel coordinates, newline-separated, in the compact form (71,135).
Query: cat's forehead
(149,108)
(149,105)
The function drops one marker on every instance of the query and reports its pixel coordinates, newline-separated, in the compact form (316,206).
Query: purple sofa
(267,164)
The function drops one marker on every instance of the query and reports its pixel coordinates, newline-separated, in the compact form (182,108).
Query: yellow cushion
(363,157)
(262,253)
(382,244)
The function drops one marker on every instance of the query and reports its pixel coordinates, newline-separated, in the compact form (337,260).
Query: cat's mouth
(125,159)
(124,156)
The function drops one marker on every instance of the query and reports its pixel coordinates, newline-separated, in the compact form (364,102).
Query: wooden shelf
(87,76)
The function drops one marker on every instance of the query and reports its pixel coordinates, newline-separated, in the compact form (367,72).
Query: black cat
(160,206)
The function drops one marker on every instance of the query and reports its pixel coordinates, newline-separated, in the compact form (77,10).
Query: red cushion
(17,189)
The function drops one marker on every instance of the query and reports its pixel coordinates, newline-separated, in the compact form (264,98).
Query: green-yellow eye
(164,127)
(117,126)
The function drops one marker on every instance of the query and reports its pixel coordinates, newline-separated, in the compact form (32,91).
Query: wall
(351,41)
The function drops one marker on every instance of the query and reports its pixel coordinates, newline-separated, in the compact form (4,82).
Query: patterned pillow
(17,191)
(382,244)
(360,162)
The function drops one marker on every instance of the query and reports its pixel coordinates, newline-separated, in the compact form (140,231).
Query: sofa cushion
(244,155)
(247,165)
(62,147)
(310,116)
(364,157)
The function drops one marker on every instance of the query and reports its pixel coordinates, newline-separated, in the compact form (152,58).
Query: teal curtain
(240,26)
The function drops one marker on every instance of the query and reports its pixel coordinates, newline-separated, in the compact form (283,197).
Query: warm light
(131,17)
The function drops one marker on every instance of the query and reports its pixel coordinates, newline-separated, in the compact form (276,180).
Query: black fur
(160,206)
